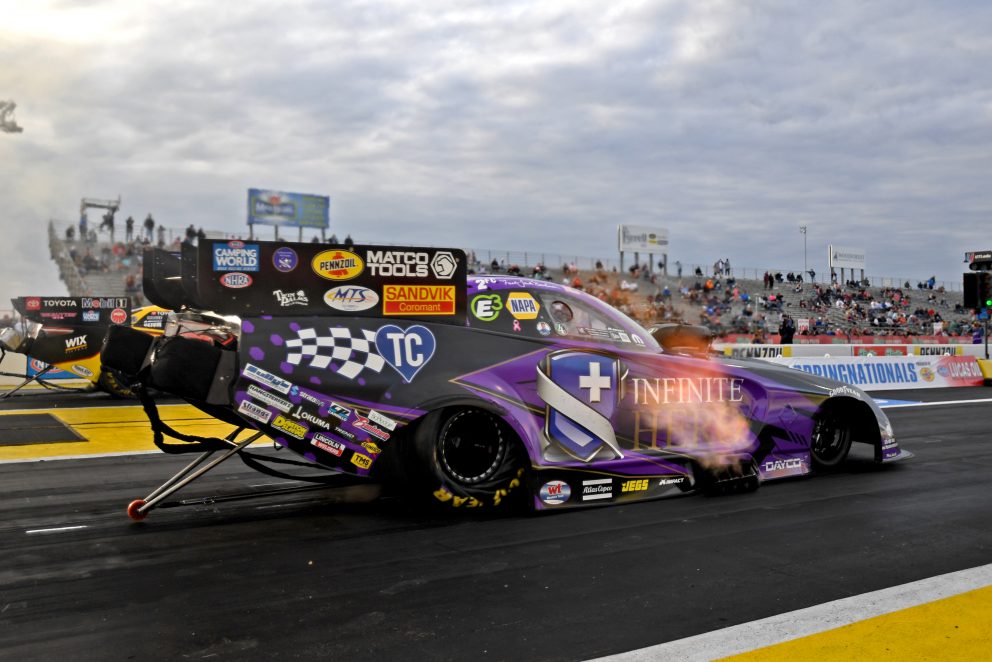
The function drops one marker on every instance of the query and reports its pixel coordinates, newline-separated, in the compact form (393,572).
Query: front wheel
(470,458)
(831,439)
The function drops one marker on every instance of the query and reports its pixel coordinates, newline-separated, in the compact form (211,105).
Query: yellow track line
(955,628)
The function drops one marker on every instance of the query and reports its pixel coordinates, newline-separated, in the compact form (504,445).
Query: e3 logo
(486,307)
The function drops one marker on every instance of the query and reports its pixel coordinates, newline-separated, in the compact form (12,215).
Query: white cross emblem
(594,382)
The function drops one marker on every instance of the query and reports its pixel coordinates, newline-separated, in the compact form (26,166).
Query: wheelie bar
(138,509)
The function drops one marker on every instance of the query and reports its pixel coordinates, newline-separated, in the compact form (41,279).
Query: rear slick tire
(470,458)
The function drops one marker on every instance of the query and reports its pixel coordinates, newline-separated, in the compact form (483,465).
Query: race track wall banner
(840,257)
(294,210)
(893,372)
(643,239)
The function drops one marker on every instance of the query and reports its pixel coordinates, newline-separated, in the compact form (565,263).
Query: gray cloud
(521,126)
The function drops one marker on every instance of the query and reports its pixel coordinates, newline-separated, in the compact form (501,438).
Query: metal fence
(527,259)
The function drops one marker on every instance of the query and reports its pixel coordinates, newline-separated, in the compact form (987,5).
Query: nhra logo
(582,390)
(337,265)
(235,280)
(236,256)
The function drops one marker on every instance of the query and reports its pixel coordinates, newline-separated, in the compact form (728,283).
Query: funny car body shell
(483,387)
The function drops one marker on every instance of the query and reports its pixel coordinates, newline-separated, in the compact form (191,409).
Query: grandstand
(735,306)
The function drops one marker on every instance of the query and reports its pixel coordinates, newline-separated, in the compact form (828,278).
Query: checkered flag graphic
(352,355)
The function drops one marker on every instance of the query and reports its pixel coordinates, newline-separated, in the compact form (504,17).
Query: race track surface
(344,573)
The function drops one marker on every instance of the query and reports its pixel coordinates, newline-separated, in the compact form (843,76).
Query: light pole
(802,229)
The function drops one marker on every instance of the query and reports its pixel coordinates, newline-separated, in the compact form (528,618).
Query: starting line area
(100,431)
(948,617)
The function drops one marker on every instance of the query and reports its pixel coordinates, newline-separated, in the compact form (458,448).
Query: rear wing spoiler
(281,279)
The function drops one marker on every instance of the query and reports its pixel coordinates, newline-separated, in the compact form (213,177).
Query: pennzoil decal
(337,265)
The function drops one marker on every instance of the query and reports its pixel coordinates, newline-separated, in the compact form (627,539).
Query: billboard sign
(840,257)
(294,210)
(643,239)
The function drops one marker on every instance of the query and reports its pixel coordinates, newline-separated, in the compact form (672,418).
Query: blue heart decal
(406,351)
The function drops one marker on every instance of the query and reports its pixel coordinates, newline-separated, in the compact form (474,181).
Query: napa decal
(236,256)
(522,305)
(337,265)
(351,298)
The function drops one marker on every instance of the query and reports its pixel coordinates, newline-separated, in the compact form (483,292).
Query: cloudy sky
(527,126)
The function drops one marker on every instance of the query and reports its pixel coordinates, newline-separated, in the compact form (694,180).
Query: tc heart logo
(406,351)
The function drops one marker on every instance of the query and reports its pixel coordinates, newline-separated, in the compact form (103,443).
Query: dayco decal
(261,394)
(337,265)
(292,428)
(304,415)
(82,370)
(235,280)
(782,465)
(236,256)
(639,485)
(251,410)
(324,443)
(400,264)
(361,461)
(418,300)
(522,305)
(486,307)
(75,343)
(350,298)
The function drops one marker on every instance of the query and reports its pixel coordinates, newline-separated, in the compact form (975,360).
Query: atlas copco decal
(236,256)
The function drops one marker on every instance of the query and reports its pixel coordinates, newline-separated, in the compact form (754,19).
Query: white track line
(59,529)
(938,403)
(812,620)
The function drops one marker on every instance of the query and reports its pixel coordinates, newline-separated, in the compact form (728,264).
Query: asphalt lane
(348,574)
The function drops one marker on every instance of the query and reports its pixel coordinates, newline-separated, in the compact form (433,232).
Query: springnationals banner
(893,372)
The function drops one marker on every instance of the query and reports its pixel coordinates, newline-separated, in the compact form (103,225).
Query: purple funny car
(472,392)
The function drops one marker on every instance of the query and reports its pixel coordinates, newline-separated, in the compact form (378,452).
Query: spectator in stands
(149,226)
(190,233)
(333,239)
(70,233)
(83,226)
(161,237)
(108,223)
(678,268)
(200,235)
(129,229)
(348,243)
